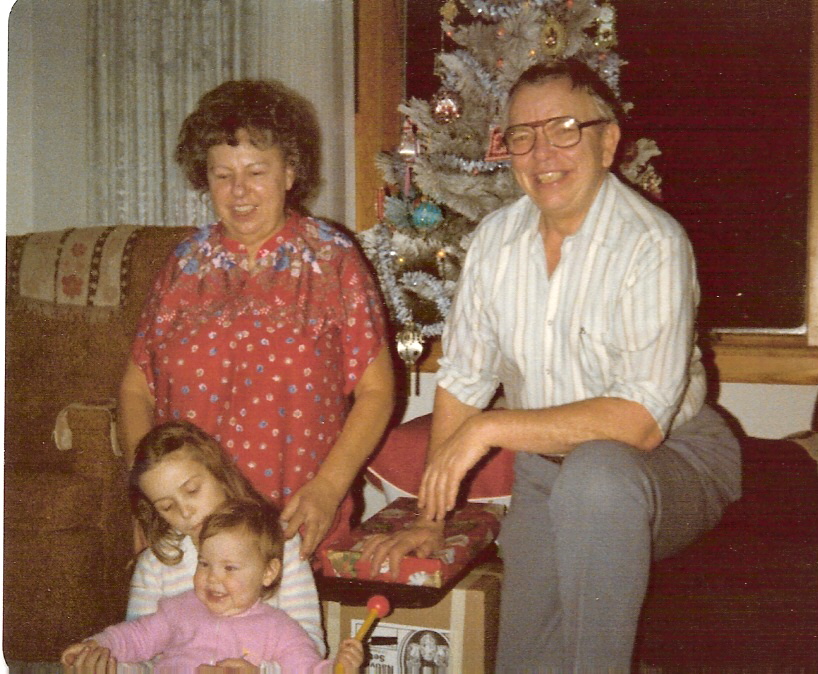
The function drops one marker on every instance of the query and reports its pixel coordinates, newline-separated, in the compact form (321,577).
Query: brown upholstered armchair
(72,301)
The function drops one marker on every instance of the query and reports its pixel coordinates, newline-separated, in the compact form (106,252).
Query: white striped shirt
(616,318)
(296,596)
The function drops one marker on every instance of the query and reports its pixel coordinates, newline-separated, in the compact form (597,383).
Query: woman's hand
(350,655)
(447,467)
(311,511)
(88,657)
(422,539)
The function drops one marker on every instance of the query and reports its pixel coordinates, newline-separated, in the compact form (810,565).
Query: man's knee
(606,476)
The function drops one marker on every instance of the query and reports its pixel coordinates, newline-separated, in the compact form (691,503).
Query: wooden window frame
(745,357)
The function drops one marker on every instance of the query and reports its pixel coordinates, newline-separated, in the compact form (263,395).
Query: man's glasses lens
(561,132)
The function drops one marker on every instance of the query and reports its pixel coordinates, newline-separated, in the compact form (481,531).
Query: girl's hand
(88,657)
(350,655)
(311,511)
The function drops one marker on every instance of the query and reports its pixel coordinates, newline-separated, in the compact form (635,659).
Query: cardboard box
(459,632)
(468,531)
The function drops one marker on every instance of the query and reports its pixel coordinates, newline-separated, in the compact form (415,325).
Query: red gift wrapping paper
(468,531)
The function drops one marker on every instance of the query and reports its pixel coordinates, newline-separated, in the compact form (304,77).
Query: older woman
(265,329)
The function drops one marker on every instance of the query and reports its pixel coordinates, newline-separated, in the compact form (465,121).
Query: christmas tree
(451,170)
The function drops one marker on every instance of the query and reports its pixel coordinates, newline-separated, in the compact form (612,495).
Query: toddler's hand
(88,657)
(350,655)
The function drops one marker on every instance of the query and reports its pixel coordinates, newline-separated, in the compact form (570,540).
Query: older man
(580,300)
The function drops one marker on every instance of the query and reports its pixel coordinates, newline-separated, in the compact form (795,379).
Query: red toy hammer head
(379,604)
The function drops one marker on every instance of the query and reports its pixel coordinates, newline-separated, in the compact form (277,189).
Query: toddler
(223,620)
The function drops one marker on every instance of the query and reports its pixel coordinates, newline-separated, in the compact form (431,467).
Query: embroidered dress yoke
(264,360)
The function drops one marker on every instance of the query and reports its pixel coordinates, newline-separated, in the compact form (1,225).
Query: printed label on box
(404,649)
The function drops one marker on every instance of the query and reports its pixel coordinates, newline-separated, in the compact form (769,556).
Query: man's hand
(311,510)
(423,538)
(447,467)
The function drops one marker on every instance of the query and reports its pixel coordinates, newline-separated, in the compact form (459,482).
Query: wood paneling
(754,359)
(379,90)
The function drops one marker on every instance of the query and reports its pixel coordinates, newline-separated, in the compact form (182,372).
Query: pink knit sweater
(185,634)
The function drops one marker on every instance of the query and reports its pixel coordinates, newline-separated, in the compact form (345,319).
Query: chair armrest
(88,432)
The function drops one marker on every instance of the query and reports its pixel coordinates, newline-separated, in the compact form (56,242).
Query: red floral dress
(263,360)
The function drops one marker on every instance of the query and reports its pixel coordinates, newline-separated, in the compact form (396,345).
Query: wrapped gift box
(467,531)
(457,634)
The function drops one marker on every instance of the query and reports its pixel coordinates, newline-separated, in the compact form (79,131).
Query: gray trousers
(579,539)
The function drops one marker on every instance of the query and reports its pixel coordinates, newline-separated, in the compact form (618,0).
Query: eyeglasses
(561,132)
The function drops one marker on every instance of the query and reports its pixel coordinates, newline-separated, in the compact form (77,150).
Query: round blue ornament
(426,214)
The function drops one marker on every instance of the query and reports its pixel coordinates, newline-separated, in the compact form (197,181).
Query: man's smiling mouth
(549,177)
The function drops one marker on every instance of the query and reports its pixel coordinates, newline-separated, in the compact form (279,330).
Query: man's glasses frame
(550,128)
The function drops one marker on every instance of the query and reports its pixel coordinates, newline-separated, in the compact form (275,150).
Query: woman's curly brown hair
(272,115)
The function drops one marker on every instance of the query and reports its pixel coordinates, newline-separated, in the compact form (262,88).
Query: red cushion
(403,456)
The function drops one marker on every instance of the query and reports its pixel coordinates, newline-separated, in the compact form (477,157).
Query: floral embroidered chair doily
(80,267)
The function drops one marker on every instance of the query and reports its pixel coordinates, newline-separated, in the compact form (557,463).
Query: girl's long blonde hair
(157,444)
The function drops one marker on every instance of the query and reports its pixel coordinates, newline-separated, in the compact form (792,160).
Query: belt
(553,458)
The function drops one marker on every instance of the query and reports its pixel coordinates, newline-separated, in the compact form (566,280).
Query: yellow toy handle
(378,608)
(360,634)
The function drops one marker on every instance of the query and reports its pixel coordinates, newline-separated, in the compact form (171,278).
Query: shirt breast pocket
(594,356)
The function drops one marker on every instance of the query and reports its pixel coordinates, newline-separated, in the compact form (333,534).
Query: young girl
(223,620)
(180,476)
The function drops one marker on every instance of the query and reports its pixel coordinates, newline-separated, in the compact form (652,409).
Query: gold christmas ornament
(552,37)
(449,11)
(408,148)
(410,347)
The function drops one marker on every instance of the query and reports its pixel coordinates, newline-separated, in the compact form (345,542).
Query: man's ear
(610,141)
(271,572)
